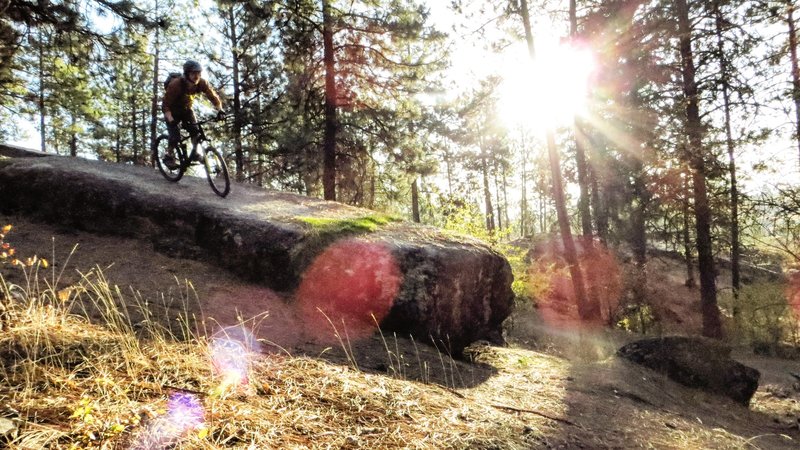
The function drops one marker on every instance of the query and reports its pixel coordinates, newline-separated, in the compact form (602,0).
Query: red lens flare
(551,283)
(793,294)
(345,287)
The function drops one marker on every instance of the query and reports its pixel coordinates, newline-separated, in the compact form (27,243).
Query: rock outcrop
(696,362)
(451,290)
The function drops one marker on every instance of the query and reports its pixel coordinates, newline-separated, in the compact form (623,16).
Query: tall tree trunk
(415,201)
(117,134)
(526,24)
(638,236)
(580,146)
(73,136)
(712,326)
(237,102)
(498,203)
(587,310)
(600,212)
(795,71)
(687,238)
(134,125)
(154,96)
(372,176)
(487,194)
(523,204)
(42,130)
(583,180)
(505,197)
(329,139)
(725,71)
(449,167)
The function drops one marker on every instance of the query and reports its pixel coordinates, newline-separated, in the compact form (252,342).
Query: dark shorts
(189,123)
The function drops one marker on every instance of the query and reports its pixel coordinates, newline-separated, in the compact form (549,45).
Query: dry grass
(76,384)
(89,367)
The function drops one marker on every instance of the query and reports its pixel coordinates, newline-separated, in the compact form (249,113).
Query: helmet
(191,66)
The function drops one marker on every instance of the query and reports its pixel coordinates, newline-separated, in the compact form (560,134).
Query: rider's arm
(170,97)
(209,92)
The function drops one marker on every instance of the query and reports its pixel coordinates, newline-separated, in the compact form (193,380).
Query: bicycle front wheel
(217,171)
(160,152)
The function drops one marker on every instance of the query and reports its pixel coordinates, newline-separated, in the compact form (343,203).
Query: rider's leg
(190,125)
(174,130)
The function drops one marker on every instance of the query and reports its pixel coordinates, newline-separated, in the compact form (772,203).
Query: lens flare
(551,284)
(185,413)
(350,286)
(231,351)
(793,293)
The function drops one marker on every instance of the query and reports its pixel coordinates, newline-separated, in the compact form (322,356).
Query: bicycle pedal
(170,162)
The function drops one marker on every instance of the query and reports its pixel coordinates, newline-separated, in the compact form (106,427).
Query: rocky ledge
(351,265)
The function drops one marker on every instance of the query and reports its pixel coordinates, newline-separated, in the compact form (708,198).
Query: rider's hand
(221,115)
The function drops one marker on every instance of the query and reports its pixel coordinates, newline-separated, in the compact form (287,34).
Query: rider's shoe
(196,157)
(170,162)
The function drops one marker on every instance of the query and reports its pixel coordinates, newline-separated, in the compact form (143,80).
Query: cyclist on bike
(177,106)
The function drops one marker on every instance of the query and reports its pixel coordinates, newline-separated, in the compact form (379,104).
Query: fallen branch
(530,411)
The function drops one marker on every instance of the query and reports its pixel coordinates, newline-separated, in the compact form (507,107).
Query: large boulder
(696,362)
(451,290)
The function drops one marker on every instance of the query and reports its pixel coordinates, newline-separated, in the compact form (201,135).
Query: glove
(221,115)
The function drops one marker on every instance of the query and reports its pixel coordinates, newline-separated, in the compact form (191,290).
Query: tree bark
(73,137)
(498,203)
(526,24)
(42,130)
(687,238)
(795,71)
(586,310)
(725,71)
(415,201)
(329,139)
(505,197)
(580,146)
(712,326)
(154,98)
(523,206)
(237,101)
(487,193)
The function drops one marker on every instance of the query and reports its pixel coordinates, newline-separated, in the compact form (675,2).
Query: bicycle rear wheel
(162,145)
(217,171)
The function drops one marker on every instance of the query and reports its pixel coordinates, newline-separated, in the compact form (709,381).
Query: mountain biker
(177,106)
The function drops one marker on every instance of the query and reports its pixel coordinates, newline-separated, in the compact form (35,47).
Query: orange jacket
(180,92)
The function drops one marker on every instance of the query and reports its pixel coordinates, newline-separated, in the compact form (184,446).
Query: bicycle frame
(209,157)
(183,157)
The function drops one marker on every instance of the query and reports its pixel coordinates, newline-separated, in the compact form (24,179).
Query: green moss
(353,225)
(325,231)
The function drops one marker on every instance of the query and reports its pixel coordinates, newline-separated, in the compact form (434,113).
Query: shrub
(765,317)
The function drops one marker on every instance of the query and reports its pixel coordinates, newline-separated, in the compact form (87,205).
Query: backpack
(170,77)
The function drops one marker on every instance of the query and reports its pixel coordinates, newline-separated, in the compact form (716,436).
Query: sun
(547,92)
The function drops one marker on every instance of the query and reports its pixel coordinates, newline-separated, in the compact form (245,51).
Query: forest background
(633,124)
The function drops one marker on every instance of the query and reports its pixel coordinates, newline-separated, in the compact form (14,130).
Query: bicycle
(214,163)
